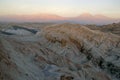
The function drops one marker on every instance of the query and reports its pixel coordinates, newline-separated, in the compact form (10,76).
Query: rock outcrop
(60,52)
(110,28)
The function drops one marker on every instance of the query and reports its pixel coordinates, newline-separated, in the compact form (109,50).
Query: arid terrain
(49,51)
(112,28)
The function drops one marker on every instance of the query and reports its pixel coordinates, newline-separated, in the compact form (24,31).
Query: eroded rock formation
(60,52)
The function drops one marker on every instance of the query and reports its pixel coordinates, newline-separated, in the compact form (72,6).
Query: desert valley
(59,39)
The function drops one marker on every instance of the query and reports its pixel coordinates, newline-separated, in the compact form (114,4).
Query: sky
(65,8)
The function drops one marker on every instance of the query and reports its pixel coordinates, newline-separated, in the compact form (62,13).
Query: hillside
(60,52)
(113,28)
(109,28)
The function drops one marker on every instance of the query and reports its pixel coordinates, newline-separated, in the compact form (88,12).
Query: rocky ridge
(60,52)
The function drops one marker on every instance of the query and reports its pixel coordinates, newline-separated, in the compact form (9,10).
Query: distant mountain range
(85,18)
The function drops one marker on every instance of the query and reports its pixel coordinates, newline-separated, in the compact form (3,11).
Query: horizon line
(52,14)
